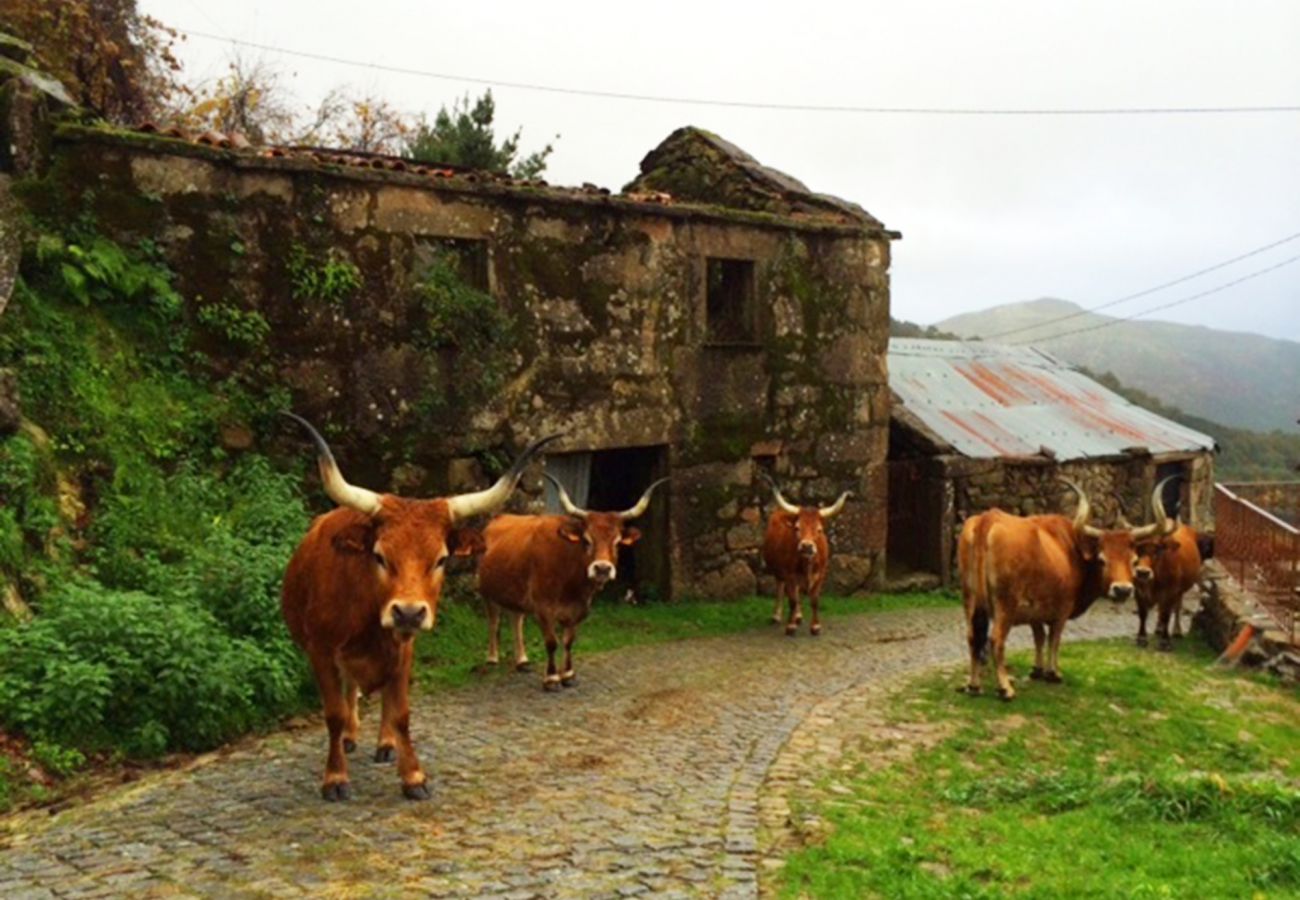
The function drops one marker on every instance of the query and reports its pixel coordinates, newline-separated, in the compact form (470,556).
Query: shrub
(102,668)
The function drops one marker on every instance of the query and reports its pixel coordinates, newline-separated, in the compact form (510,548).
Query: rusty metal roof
(990,400)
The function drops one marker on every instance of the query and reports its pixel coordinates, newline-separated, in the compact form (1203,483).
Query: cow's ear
(630,536)
(357,538)
(571,530)
(465,542)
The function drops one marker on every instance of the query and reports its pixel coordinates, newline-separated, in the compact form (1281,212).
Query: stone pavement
(644,779)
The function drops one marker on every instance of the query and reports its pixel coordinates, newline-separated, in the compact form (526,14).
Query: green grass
(1145,775)
(450,656)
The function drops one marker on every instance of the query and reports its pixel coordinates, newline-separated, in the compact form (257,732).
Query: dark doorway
(1176,491)
(913,542)
(608,480)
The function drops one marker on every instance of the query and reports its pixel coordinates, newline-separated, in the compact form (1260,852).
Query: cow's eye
(379,559)
(442,561)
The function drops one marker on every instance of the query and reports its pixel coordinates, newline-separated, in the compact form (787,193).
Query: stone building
(977,425)
(712,316)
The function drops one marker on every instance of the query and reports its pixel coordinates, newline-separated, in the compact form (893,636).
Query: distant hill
(1239,379)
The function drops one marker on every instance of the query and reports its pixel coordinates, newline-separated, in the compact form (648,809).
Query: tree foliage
(114,59)
(465,136)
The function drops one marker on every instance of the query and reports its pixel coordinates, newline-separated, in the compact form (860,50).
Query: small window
(731,308)
(468,257)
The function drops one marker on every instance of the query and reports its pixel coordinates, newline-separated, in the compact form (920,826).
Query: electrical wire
(1143,293)
(746,104)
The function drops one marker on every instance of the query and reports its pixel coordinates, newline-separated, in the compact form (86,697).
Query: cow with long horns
(1039,571)
(1169,564)
(550,567)
(797,554)
(363,582)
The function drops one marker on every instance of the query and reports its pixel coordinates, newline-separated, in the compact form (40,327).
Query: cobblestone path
(645,779)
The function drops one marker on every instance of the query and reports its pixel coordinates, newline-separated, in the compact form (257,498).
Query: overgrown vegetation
(151,558)
(465,136)
(1144,775)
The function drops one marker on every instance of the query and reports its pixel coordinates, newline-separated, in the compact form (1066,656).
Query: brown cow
(797,554)
(551,567)
(1039,571)
(1168,567)
(363,582)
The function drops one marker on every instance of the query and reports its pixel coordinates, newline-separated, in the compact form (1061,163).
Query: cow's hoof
(1178,635)
(798,619)
(1006,694)
(568,679)
(776,620)
(1037,673)
(1052,677)
(790,630)
(416,791)
(337,790)
(815,630)
(523,666)
(1142,640)
(551,683)
(970,690)
(349,745)
(1165,645)
(385,754)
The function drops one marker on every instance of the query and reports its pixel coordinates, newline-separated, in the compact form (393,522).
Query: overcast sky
(992,209)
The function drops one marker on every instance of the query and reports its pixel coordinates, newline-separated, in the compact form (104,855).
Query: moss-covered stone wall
(316,276)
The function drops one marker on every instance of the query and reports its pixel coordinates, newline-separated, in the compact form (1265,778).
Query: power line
(1214,290)
(746,104)
(1151,290)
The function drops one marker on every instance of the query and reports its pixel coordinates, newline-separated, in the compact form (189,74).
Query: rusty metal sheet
(988,401)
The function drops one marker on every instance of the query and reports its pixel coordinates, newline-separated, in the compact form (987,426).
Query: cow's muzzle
(1121,591)
(601,571)
(807,549)
(1142,573)
(406,617)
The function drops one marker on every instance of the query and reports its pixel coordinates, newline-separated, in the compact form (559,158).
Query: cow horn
(1083,512)
(830,512)
(336,486)
(463,506)
(565,501)
(642,503)
(1163,525)
(776,494)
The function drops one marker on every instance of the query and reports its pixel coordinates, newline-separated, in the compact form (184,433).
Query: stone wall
(607,296)
(955,487)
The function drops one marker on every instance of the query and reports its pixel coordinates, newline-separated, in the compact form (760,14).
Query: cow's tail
(979,634)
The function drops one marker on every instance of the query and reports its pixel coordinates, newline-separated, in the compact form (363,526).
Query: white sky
(992,209)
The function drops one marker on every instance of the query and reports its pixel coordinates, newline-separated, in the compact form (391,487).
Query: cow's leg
(397,716)
(776,605)
(976,642)
(567,677)
(330,681)
(1178,618)
(494,633)
(1053,673)
(1040,638)
(551,680)
(350,694)
(521,652)
(1144,607)
(1163,611)
(815,598)
(998,640)
(794,608)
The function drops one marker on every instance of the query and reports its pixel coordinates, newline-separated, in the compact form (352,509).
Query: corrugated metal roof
(989,400)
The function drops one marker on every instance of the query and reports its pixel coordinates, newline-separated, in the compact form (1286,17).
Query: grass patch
(449,656)
(1145,775)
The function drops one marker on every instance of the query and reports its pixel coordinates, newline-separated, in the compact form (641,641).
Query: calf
(1039,571)
(551,567)
(363,582)
(797,553)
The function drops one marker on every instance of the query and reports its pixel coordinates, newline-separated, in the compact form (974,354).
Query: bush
(101,669)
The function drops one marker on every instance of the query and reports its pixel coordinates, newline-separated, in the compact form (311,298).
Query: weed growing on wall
(329,278)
